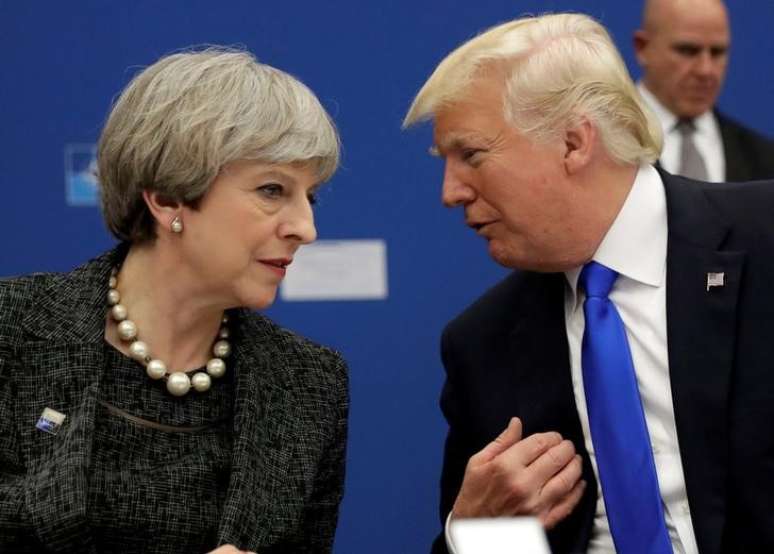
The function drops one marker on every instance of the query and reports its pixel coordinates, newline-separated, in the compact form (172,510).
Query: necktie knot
(597,280)
(686,127)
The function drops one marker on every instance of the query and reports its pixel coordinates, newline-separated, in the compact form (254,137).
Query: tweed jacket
(289,421)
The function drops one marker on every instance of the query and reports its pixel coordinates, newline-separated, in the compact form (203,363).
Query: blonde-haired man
(625,359)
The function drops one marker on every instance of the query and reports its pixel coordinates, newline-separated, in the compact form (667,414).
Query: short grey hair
(559,68)
(184,118)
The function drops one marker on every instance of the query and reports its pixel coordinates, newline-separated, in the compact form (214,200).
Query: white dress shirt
(636,247)
(707,139)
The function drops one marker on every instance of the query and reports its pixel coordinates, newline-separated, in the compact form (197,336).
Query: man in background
(683,49)
(618,384)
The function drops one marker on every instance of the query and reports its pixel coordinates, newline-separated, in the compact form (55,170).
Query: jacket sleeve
(15,535)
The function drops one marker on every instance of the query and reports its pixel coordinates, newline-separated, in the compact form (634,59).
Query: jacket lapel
(701,334)
(59,366)
(267,425)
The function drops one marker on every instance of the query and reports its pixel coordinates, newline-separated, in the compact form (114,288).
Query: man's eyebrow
(452,142)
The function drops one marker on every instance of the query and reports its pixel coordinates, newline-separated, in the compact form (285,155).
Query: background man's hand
(537,476)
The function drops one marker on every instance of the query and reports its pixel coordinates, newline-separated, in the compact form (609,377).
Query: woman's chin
(260,301)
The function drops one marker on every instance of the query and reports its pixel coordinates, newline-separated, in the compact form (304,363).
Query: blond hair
(559,68)
(182,119)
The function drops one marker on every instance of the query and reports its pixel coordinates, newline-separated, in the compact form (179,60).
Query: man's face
(515,193)
(684,54)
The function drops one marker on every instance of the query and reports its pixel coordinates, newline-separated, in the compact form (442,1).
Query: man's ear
(641,39)
(579,142)
(161,208)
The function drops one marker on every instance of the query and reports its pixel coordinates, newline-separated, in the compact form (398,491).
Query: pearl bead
(127,329)
(216,367)
(201,381)
(119,312)
(138,350)
(113,297)
(178,383)
(156,369)
(221,349)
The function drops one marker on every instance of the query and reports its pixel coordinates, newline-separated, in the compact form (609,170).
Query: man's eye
(469,154)
(688,50)
(272,190)
(718,51)
(312,198)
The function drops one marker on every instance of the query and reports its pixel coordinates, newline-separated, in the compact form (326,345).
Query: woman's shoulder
(64,295)
(16,293)
(288,345)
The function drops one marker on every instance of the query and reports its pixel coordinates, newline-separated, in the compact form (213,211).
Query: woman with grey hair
(144,407)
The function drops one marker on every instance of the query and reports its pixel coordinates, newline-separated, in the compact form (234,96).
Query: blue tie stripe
(619,431)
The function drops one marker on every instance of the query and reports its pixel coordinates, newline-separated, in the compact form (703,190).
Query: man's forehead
(465,125)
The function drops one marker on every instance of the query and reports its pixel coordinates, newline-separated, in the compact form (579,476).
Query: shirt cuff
(447,535)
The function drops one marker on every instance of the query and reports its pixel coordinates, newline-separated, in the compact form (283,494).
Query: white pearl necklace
(178,382)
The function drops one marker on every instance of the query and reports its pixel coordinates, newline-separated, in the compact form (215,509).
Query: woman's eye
(312,197)
(272,190)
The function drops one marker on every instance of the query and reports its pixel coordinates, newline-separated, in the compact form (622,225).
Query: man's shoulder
(499,307)
(749,154)
(731,127)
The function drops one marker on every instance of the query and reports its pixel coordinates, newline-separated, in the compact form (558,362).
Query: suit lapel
(701,334)
(59,366)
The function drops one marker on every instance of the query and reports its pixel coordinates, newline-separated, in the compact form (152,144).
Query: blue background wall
(63,62)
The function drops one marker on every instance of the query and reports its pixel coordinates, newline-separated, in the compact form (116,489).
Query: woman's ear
(579,141)
(166,212)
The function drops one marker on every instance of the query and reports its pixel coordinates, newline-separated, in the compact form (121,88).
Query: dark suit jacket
(290,422)
(507,355)
(749,155)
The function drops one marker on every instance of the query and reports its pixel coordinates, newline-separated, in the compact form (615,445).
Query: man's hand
(537,476)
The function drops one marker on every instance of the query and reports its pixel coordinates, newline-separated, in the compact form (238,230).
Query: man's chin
(691,110)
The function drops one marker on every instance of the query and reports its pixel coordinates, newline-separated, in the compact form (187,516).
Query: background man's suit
(749,155)
(507,355)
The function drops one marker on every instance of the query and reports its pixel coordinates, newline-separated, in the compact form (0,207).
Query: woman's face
(246,230)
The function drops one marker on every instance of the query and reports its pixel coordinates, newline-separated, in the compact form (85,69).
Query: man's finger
(563,482)
(505,440)
(565,507)
(531,448)
(552,461)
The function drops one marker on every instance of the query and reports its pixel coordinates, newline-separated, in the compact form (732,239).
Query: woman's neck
(174,316)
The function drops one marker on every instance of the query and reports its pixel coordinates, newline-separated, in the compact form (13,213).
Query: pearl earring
(176,225)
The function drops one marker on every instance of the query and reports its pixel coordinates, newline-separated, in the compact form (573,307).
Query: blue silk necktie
(618,428)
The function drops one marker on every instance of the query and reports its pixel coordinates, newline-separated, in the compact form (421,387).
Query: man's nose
(707,65)
(456,190)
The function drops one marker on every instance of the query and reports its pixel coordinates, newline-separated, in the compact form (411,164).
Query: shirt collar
(636,243)
(667,118)
(703,123)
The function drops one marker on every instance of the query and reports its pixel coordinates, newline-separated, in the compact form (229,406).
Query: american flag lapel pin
(715,280)
(50,421)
